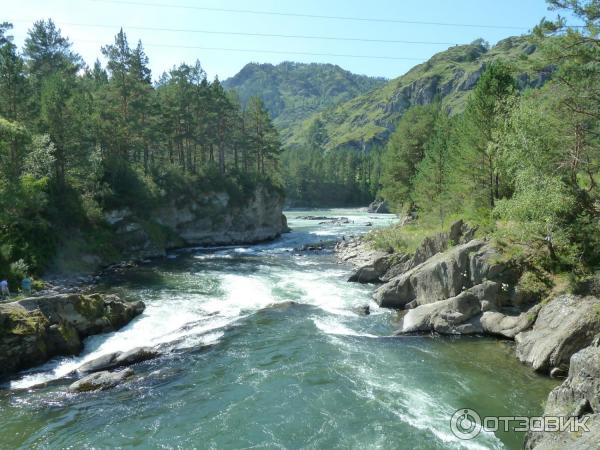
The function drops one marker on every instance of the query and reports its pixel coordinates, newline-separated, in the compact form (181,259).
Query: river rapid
(244,368)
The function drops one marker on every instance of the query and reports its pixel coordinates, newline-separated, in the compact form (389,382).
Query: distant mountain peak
(293,91)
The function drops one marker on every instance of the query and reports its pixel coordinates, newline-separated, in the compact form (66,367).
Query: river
(239,373)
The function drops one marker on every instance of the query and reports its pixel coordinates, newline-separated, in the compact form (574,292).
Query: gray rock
(100,381)
(364,310)
(370,264)
(457,315)
(578,396)
(378,207)
(449,316)
(371,273)
(119,359)
(442,276)
(36,329)
(506,325)
(563,326)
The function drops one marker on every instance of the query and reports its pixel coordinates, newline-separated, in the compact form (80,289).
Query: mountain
(294,91)
(370,118)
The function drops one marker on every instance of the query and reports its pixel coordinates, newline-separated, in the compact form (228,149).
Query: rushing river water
(240,373)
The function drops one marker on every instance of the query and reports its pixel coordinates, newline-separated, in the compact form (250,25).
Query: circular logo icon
(465,424)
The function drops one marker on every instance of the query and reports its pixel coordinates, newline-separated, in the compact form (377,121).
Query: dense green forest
(76,141)
(316,177)
(523,166)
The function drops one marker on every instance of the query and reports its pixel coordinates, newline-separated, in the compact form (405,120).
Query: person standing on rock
(26,285)
(4,292)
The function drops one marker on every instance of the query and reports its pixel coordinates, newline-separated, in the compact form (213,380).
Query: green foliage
(75,144)
(522,166)
(407,238)
(433,178)
(534,286)
(405,151)
(339,178)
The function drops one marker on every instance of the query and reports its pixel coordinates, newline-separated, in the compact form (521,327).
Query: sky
(176,31)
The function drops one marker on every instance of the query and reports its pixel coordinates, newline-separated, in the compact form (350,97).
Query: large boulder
(100,381)
(578,396)
(440,277)
(373,271)
(563,326)
(450,316)
(34,330)
(88,314)
(457,315)
(459,233)
(507,325)
(119,359)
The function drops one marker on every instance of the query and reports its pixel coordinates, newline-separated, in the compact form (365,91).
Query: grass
(407,238)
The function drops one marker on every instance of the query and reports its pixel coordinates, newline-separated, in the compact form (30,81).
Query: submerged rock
(363,310)
(563,326)
(119,359)
(100,381)
(34,330)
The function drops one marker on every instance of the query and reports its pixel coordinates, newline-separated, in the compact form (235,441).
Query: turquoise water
(244,369)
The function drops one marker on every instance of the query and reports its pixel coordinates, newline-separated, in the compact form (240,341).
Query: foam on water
(332,326)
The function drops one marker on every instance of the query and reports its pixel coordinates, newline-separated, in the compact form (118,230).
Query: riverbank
(454,284)
(37,329)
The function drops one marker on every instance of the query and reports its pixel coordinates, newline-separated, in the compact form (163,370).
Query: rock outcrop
(378,207)
(34,330)
(452,316)
(213,218)
(440,277)
(564,325)
(370,264)
(508,324)
(101,381)
(579,397)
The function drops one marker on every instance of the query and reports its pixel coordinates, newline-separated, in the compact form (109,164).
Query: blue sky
(167,48)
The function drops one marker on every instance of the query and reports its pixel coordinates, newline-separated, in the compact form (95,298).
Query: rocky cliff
(213,218)
(34,330)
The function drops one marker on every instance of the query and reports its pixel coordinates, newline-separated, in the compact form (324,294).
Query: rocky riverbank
(196,219)
(34,330)
(456,285)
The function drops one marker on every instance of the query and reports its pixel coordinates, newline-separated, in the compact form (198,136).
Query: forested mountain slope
(369,118)
(294,91)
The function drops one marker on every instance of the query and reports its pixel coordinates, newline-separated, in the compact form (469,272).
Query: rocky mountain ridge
(369,119)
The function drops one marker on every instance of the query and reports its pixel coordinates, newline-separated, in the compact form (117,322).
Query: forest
(76,141)
(523,166)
